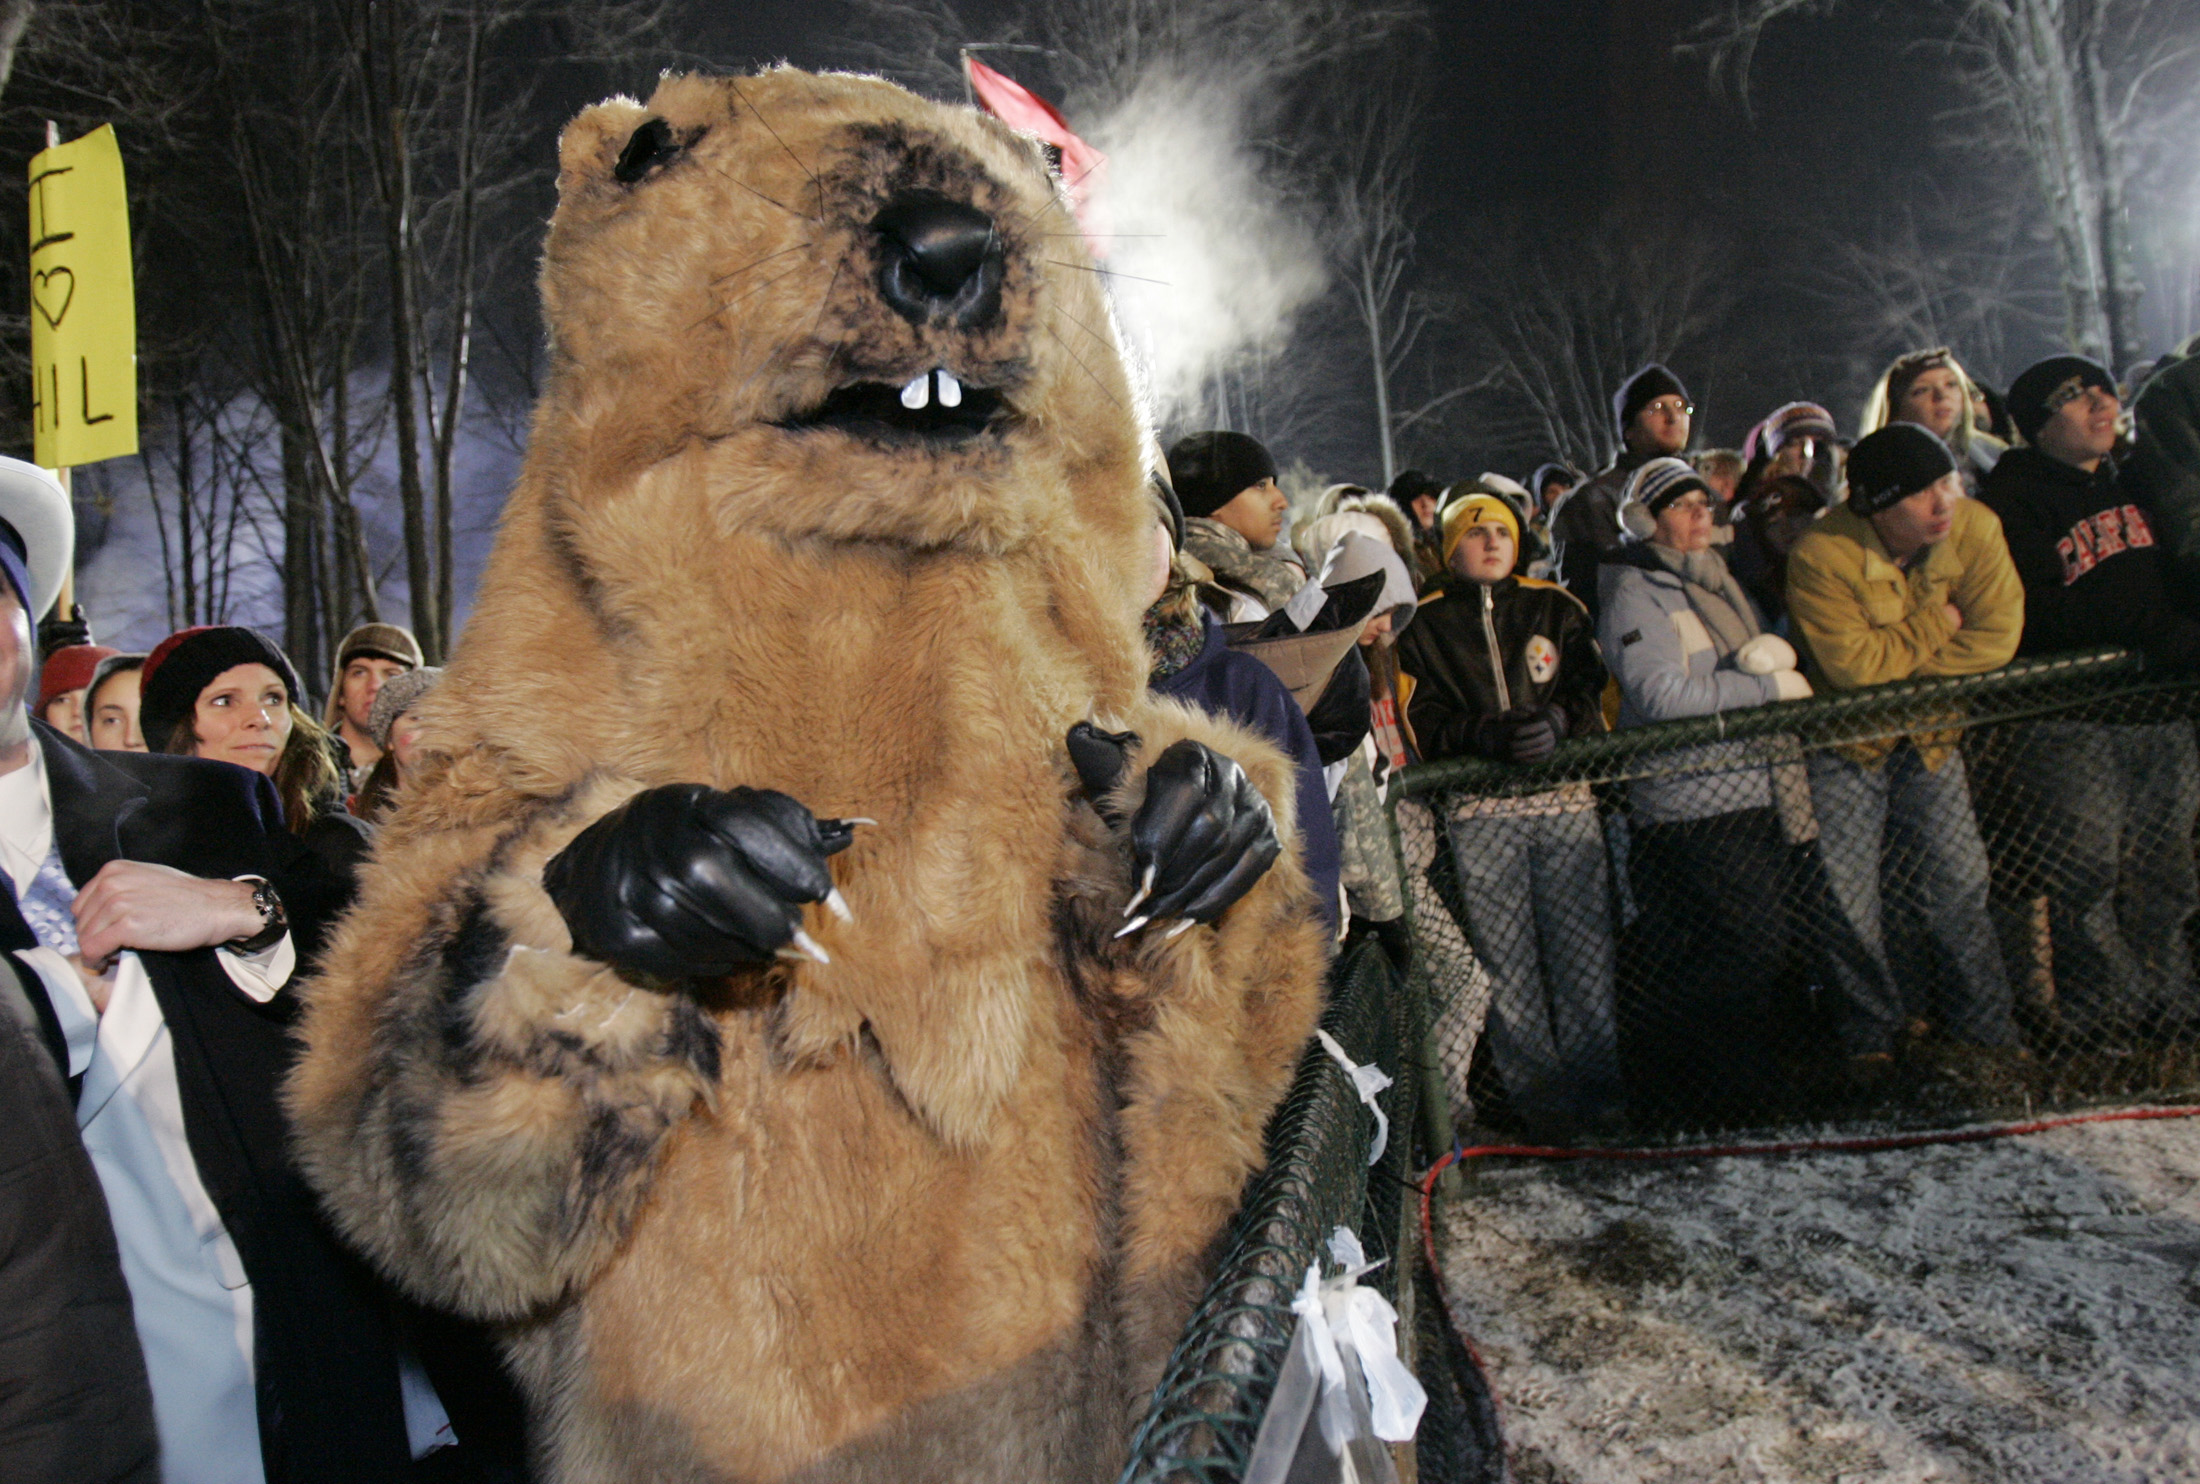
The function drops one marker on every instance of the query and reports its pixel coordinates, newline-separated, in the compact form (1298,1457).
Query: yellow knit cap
(1474,510)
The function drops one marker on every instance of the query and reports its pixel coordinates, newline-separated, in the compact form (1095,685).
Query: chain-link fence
(1207,1411)
(1940,898)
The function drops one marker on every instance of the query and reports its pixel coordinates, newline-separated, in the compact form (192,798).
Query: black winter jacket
(1475,651)
(1585,527)
(2094,572)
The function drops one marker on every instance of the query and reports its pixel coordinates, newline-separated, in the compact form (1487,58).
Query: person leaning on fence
(2111,803)
(1909,580)
(1505,667)
(1711,855)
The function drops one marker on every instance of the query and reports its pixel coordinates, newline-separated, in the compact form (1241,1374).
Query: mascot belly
(738,1010)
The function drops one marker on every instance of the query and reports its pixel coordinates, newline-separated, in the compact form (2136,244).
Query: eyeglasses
(1671,407)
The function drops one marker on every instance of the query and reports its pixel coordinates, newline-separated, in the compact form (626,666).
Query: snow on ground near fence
(2024,1310)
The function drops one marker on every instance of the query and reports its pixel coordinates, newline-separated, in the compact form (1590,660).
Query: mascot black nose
(939,258)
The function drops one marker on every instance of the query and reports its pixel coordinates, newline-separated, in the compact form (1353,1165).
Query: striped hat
(1796,420)
(1660,482)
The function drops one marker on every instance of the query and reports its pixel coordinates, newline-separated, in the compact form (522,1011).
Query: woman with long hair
(1929,388)
(225,693)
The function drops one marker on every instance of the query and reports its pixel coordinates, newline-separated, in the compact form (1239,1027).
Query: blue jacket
(1222,682)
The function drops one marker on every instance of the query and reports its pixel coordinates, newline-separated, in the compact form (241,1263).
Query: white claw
(918,393)
(950,390)
(1145,889)
(837,904)
(1185,926)
(811,948)
(857,819)
(1131,927)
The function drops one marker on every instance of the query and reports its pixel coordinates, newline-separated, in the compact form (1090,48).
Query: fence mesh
(1208,1408)
(1941,898)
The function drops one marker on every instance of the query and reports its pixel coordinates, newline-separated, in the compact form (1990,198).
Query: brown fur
(933,1211)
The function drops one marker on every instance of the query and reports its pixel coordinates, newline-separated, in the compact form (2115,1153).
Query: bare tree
(1560,321)
(15,17)
(299,170)
(2078,86)
(1949,273)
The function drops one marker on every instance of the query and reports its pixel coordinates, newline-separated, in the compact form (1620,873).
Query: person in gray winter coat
(1709,853)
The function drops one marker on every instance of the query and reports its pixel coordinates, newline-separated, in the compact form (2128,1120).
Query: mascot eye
(651,146)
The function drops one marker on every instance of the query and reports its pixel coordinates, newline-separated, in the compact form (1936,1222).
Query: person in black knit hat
(1908,580)
(1233,521)
(223,692)
(2117,800)
(1652,413)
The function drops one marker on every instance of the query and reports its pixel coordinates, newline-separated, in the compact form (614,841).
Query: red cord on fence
(1862,1144)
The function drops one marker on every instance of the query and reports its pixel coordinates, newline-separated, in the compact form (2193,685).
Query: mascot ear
(592,148)
(647,148)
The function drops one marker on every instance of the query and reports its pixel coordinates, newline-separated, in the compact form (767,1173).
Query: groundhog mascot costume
(820,1064)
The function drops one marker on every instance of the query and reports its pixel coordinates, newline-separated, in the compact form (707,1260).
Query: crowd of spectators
(1956,530)
(180,819)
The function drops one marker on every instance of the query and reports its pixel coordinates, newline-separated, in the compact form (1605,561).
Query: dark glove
(1100,759)
(1201,840)
(58,632)
(1341,718)
(1520,736)
(685,882)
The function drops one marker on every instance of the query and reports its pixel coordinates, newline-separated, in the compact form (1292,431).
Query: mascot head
(874,312)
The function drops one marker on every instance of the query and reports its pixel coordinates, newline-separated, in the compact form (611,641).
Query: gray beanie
(398,695)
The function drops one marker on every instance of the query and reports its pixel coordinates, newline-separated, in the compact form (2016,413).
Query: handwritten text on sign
(83,305)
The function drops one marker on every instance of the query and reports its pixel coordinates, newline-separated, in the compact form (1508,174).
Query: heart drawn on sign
(53,299)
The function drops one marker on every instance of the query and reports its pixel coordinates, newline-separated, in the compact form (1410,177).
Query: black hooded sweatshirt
(2086,552)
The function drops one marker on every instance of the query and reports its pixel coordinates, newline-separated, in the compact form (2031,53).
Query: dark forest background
(1452,229)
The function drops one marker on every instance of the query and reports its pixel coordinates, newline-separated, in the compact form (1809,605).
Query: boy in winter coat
(1506,668)
(1909,579)
(2114,801)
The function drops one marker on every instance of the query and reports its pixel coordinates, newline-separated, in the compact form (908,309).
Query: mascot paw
(1203,837)
(688,882)
(1101,759)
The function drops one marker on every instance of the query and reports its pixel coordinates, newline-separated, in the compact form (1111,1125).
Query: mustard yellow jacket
(1862,620)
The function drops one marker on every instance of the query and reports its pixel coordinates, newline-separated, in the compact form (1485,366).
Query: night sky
(1568,109)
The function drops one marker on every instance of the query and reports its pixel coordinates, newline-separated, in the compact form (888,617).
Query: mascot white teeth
(736,1012)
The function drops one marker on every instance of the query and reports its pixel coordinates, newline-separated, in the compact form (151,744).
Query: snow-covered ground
(2021,1310)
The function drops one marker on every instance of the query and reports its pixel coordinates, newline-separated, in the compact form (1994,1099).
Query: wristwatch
(274,922)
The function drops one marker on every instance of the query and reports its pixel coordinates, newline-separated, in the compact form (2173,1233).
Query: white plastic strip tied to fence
(1343,1370)
(1366,1081)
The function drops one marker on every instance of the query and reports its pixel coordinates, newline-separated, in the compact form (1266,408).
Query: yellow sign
(83,305)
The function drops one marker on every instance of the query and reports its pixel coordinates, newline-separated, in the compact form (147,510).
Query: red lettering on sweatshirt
(2101,535)
(2108,531)
(2077,552)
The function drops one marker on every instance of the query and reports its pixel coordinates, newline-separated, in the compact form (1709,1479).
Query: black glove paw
(1100,758)
(685,882)
(1201,840)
